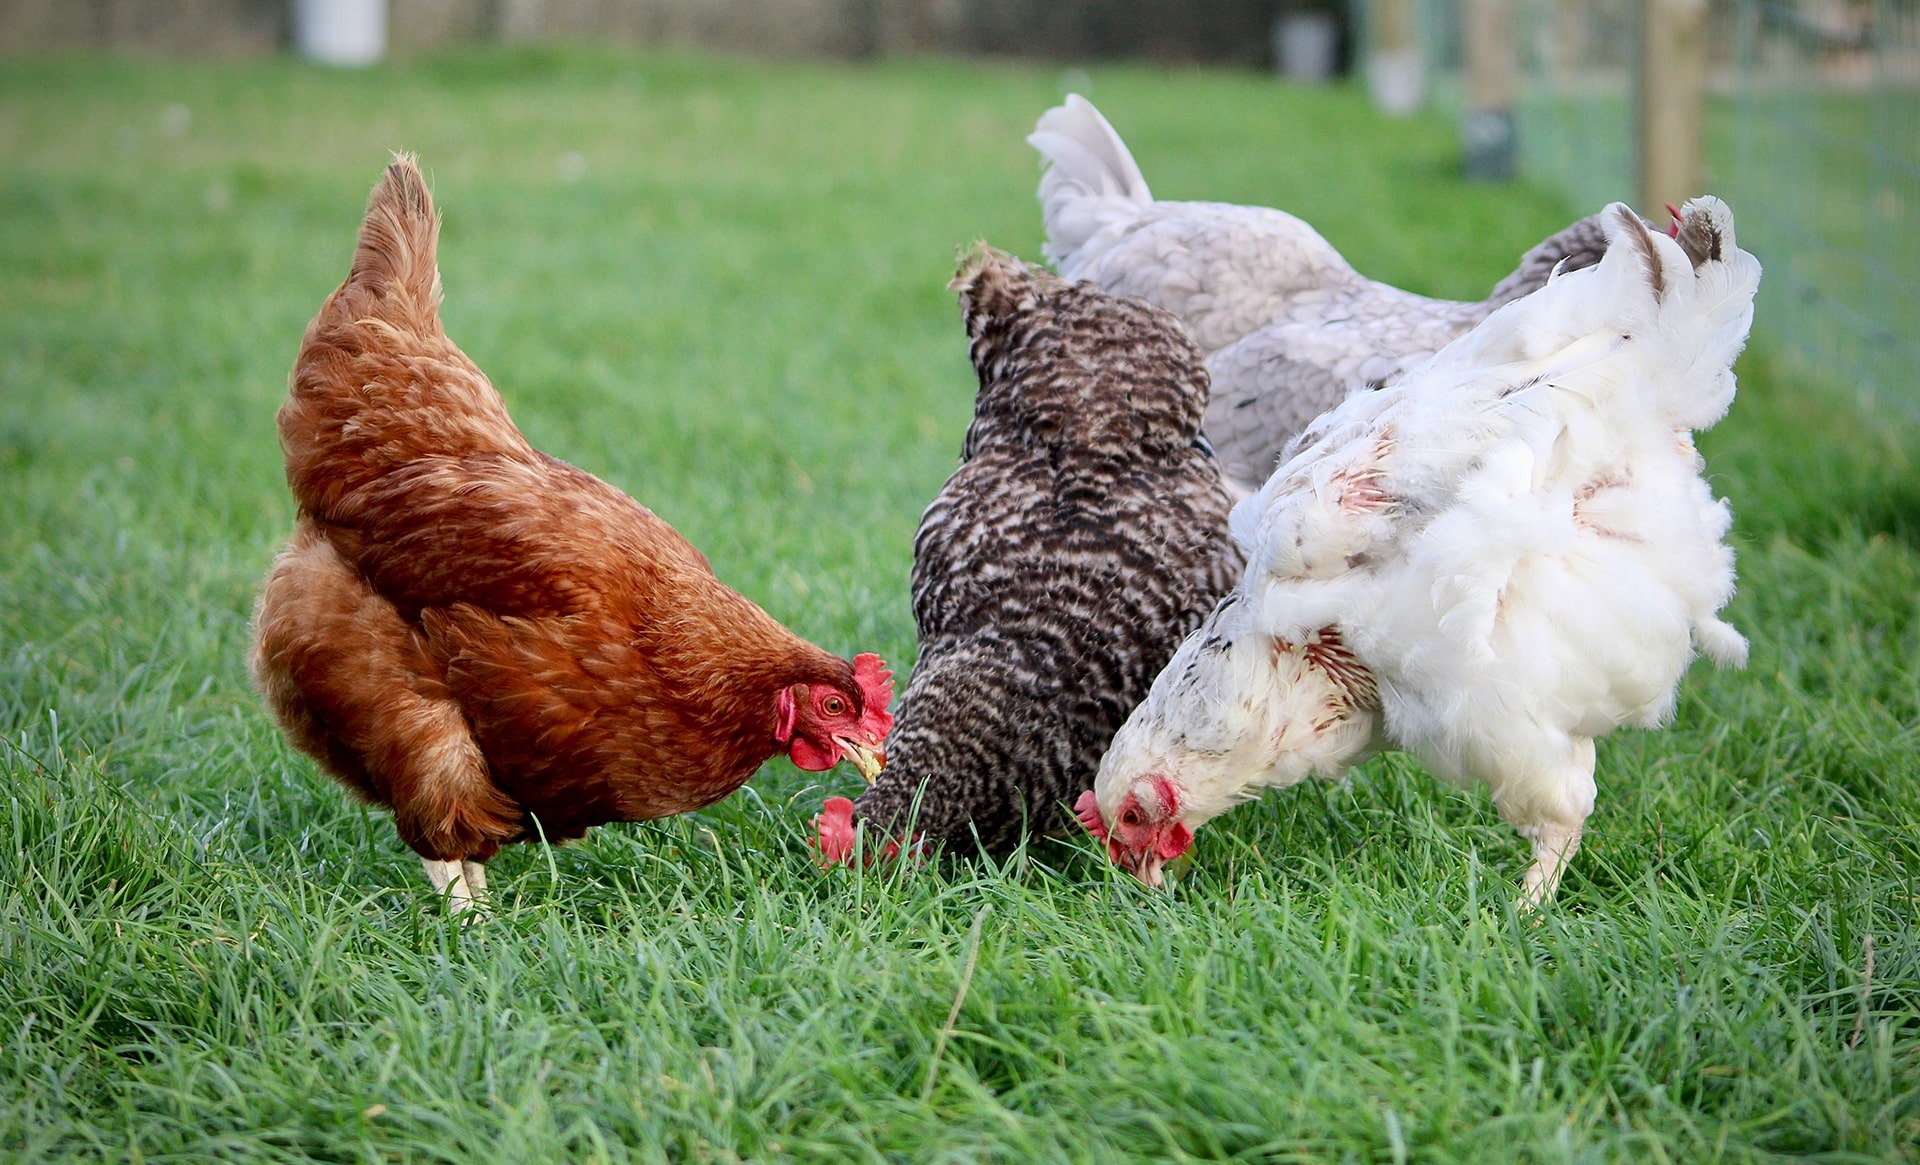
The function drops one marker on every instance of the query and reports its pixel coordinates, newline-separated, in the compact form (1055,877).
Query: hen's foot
(462,884)
(1553,847)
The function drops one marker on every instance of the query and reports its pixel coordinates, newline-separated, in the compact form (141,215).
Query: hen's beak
(868,760)
(1146,867)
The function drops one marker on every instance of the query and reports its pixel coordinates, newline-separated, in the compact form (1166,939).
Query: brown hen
(496,645)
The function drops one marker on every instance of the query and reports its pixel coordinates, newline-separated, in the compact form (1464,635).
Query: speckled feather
(1290,328)
(1082,537)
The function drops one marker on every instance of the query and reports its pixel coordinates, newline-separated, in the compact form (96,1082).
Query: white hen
(1489,565)
(1288,325)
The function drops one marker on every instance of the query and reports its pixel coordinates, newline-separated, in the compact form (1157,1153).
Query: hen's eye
(834,706)
(1130,817)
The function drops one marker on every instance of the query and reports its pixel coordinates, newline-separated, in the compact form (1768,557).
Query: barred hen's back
(1082,536)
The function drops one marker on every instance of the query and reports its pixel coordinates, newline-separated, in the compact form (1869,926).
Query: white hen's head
(1183,756)
(1147,832)
(1236,711)
(1154,791)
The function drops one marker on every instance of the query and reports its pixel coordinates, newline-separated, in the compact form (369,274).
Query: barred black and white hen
(1083,535)
(1289,327)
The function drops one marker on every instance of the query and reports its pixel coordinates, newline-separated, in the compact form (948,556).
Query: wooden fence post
(1493,65)
(1670,101)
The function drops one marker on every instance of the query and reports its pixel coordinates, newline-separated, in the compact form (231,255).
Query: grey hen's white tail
(1091,180)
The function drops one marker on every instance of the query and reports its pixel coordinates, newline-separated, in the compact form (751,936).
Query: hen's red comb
(1673,232)
(836,832)
(876,691)
(874,677)
(1087,808)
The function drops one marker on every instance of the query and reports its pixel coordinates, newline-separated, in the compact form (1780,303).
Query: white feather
(1092,181)
(1515,541)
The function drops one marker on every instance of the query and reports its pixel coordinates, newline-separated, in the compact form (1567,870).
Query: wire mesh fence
(1812,134)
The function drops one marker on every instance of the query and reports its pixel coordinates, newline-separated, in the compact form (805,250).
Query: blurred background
(702,246)
(1805,114)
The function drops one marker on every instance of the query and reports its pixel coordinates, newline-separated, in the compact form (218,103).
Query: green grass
(735,311)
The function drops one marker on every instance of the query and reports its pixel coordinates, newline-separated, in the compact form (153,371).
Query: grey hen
(1288,325)
(1083,535)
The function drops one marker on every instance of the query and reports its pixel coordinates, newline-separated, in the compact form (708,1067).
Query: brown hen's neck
(735,665)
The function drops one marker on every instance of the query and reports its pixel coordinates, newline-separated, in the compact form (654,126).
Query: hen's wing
(532,537)
(1270,385)
(1224,270)
(975,542)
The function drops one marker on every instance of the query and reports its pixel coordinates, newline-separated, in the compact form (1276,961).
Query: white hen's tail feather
(1680,324)
(1091,182)
(1714,311)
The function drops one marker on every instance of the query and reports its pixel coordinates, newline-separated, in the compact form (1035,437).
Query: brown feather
(476,634)
(1643,239)
(1699,238)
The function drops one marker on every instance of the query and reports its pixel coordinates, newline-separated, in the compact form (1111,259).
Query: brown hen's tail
(378,385)
(395,276)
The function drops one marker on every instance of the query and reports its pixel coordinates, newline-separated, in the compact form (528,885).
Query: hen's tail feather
(378,384)
(1705,232)
(1725,275)
(396,275)
(1091,178)
(1683,320)
(1703,287)
(993,285)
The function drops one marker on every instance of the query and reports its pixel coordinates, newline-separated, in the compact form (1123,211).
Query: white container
(340,32)
(1397,80)
(1304,45)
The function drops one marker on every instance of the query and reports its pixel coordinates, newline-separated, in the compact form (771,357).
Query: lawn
(720,286)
